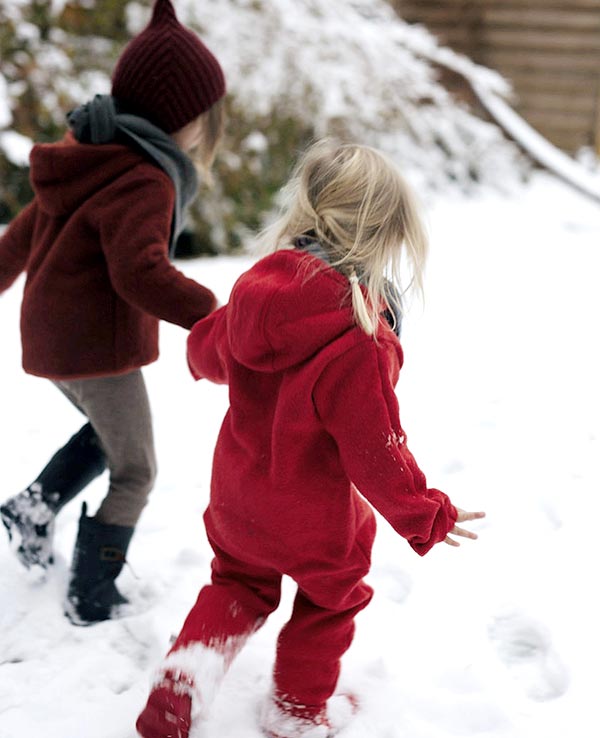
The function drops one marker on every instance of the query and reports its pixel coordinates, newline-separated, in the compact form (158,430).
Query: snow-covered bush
(296,70)
(49,59)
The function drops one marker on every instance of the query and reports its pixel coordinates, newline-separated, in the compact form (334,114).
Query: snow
(16,147)
(500,401)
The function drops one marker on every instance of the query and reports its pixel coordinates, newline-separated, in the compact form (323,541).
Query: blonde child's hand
(463,516)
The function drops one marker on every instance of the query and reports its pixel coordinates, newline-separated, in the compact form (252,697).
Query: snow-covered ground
(500,398)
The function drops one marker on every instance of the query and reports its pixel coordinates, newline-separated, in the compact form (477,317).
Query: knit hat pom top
(166,73)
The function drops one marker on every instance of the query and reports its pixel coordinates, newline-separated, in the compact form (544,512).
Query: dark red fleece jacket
(94,242)
(313,417)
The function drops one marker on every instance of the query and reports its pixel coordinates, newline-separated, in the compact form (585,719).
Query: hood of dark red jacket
(285,309)
(67,173)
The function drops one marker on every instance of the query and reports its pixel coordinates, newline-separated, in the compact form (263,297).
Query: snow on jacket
(313,418)
(94,243)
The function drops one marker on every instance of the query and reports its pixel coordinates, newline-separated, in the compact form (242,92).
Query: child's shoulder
(296,265)
(142,168)
(141,180)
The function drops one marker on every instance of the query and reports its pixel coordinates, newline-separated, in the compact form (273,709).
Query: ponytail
(359,305)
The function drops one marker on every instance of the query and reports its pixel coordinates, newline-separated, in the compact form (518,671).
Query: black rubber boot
(29,516)
(72,468)
(99,556)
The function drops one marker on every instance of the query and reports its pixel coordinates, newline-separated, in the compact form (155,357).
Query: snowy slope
(341,67)
(500,399)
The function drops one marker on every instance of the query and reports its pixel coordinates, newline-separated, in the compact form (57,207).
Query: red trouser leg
(226,613)
(311,645)
(232,607)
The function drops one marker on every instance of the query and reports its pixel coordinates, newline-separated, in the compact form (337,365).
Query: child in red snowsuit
(312,439)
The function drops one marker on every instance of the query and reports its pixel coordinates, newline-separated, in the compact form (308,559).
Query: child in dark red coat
(309,348)
(95,243)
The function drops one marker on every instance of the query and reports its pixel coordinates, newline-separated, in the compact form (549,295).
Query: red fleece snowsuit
(313,419)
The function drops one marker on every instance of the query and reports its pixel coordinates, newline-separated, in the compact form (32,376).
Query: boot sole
(12,528)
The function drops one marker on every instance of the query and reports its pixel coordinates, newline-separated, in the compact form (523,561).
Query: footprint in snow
(525,647)
(135,639)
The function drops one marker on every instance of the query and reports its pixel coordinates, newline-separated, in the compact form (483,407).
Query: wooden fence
(548,49)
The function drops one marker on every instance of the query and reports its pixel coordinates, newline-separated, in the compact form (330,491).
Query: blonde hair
(212,126)
(364,215)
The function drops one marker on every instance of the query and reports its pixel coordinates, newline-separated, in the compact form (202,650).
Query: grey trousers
(119,412)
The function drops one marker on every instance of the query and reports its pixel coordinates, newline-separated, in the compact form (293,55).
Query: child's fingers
(451,541)
(464,516)
(464,533)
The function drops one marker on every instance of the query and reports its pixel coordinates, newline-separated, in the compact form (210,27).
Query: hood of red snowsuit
(287,309)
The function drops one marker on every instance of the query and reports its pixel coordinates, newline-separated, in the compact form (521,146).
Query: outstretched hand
(463,517)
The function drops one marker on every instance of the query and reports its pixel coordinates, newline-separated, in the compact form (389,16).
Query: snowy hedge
(296,69)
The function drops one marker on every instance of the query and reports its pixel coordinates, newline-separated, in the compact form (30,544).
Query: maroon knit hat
(166,73)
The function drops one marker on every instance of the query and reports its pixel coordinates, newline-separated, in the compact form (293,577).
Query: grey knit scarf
(310,244)
(99,121)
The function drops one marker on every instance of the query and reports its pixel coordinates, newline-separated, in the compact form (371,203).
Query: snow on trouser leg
(226,613)
(184,688)
(280,719)
(99,556)
(29,516)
